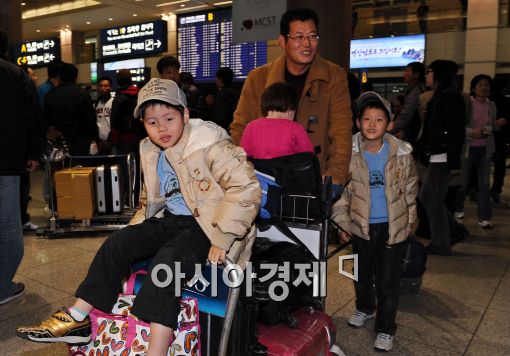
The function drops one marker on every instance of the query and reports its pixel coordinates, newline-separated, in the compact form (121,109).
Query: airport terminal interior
(463,305)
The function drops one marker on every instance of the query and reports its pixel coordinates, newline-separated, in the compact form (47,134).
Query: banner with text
(36,53)
(257,20)
(140,39)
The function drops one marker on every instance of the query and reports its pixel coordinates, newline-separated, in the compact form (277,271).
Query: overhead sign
(257,20)
(36,53)
(141,39)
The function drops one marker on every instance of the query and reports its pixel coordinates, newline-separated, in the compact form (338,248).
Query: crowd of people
(397,170)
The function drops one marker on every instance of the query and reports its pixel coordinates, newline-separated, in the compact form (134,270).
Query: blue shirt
(43,89)
(376,163)
(169,187)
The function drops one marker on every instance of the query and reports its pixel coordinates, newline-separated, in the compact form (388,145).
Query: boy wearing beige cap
(199,199)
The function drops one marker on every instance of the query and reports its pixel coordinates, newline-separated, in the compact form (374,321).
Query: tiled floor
(463,307)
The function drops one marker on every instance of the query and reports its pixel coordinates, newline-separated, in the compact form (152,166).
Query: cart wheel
(258,349)
(336,350)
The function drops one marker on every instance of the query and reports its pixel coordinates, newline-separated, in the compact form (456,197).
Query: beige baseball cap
(160,89)
(371,97)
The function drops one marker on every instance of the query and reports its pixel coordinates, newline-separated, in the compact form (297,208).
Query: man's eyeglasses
(301,38)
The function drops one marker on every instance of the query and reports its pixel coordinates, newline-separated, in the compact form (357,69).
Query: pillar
(481,39)
(334,27)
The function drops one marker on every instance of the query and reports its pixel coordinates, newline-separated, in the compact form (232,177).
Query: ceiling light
(222,3)
(23,3)
(191,8)
(171,3)
(135,15)
(88,22)
(67,26)
(61,7)
(37,30)
(182,5)
(110,19)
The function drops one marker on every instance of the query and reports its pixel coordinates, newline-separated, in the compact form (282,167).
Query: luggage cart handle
(233,298)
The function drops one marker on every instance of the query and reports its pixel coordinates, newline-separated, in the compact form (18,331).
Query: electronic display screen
(204,44)
(387,51)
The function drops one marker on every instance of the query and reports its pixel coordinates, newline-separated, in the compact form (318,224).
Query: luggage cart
(100,223)
(221,328)
(309,232)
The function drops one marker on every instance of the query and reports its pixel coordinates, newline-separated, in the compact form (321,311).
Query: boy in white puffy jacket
(199,200)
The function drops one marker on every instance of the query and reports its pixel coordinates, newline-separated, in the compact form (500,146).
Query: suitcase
(212,310)
(315,334)
(267,252)
(108,189)
(413,266)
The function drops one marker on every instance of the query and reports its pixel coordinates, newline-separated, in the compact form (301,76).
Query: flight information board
(205,44)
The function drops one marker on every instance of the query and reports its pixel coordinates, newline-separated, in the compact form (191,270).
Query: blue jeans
(11,234)
(478,160)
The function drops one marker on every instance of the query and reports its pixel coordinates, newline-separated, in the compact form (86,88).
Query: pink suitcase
(314,335)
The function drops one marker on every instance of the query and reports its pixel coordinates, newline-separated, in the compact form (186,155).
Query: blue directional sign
(140,39)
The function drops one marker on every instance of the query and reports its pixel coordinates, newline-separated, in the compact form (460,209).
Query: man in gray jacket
(407,124)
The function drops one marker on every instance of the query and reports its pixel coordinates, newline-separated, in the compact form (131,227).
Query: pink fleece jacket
(266,138)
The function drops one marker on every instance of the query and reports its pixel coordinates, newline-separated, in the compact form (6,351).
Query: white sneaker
(383,342)
(485,224)
(29,226)
(47,210)
(459,215)
(359,318)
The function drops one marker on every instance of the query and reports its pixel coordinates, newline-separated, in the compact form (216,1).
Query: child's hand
(344,237)
(216,255)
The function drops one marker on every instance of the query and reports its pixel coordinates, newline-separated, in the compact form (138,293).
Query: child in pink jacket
(276,134)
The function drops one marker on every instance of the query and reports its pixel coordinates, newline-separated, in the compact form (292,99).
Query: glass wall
(379,18)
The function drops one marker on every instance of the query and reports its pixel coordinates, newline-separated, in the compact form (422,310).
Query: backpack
(297,178)
(413,266)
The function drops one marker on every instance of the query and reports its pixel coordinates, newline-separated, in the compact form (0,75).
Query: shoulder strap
(284,229)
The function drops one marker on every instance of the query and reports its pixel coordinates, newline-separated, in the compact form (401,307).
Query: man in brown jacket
(324,106)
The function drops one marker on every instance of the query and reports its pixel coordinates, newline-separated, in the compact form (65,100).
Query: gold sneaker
(60,327)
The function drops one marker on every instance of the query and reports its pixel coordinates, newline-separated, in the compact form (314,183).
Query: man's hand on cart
(32,165)
(216,255)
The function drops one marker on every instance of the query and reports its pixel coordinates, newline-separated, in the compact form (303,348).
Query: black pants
(499,164)
(377,258)
(169,239)
(432,195)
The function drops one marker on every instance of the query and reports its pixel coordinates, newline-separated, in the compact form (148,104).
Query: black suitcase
(243,334)
(273,312)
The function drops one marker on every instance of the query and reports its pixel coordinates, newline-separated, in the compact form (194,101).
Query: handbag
(121,333)
(57,149)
